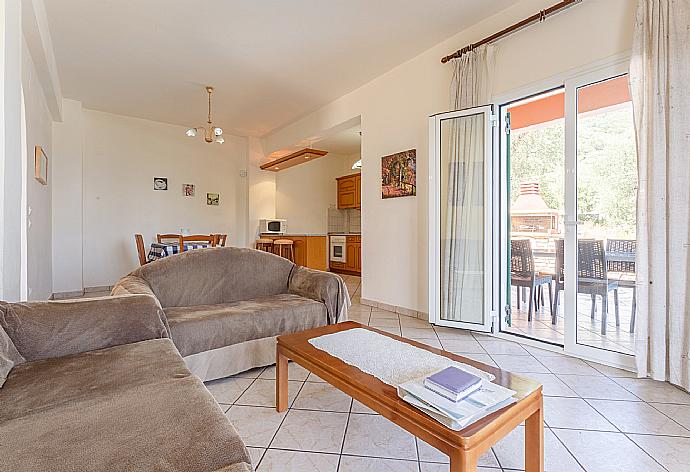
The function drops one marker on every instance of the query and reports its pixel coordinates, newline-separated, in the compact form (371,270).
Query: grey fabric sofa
(225,306)
(96,384)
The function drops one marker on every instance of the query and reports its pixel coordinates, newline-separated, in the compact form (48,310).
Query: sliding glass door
(461,216)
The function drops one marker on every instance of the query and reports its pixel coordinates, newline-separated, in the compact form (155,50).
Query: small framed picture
(160,183)
(188,190)
(40,165)
(212,199)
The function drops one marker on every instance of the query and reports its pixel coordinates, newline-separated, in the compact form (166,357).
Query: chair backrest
(626,246)
(141,249)
(200,238)
(220,239)
(170,239)
(521,258)
(591,259)
(560,257)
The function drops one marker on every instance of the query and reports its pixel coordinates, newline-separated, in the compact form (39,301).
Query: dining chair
(209,239)
(593,279)
(523,274)
(220,239)
(141,249)
(624,270)
(170,239)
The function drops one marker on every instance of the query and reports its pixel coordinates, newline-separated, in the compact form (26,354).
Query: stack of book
(455,397)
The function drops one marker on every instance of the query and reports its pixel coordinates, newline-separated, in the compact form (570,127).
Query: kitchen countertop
(295,234)
(344,234)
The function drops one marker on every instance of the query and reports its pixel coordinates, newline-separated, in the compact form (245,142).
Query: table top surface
(385,395)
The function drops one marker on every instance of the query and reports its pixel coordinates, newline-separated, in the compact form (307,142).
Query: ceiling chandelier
(211,132)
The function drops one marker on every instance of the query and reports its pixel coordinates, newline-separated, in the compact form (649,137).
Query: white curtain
(462,162)
(660,85)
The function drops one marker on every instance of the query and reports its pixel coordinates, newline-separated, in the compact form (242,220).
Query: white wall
(306,191)
(109,164)
(39,122)
(261,191)
(394,110)
(66,185)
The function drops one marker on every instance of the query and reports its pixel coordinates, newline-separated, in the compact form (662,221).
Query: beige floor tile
(672,453)
(295,372)
(384,323)
(256,454)
(428,342)
(314,378)
(377,313)
(483,358)
(652,391)
(606,452)
(263,393)
(503,347)
(612,371)
(373,435)
(427,333)
(370,464)
(568,365)
(519,364)
(597,387)
(390,330)
(537,352)
(256,425)
(638,417)
(414,322)
(276,460)
(428,453)
(511,452)
(468,345)
(322,396)
(228,390)
(251,373)
(452,333)
(314,431)
(434,467)
(575,413)
(552,386)
(680,413)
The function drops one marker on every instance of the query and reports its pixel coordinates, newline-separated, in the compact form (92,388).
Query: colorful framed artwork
(160,183)
(40,165)
(212,199)
(399,174)
(188,190)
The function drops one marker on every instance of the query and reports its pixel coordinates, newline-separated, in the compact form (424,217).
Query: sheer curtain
(660,84)
(462,260)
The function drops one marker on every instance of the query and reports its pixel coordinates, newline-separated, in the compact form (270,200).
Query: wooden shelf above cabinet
(291,160)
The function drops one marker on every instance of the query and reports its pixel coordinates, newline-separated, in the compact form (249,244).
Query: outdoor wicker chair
(523,274)
(624,268)
(592,278)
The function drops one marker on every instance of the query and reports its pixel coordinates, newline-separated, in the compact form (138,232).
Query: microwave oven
(272,226)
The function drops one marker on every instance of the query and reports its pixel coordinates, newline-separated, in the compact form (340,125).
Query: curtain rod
(537,17)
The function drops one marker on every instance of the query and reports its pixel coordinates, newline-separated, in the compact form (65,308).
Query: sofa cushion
(37,386)
(214,275)
(173,425)
(42,330)
(9,356)
(204,327)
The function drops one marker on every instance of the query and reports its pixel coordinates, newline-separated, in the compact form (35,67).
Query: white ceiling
(271,61)
(346,142)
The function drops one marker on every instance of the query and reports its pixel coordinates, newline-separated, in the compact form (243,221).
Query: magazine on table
(456,415)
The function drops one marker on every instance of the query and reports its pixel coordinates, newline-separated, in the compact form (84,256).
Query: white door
(461,219)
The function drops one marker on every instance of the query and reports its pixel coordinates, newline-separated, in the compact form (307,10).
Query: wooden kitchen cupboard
(353,254)
(349,191)
(310,251)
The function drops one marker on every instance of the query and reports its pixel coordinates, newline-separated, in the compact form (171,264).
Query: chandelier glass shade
(211,132)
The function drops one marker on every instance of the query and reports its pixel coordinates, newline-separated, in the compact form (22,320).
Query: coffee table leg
(463,461)
(281,381)
(534,440)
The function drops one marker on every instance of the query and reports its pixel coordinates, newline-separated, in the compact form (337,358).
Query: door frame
(592,73)
(489,219)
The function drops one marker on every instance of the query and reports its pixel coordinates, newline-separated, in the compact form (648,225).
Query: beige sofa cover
(225,306)
(115,395)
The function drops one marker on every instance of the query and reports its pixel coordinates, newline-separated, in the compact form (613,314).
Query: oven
(337,249)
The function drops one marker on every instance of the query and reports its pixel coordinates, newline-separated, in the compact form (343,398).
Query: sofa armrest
(130,285)
(42,330)
(325,287)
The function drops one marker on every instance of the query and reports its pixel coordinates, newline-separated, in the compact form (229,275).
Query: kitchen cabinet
(310,251)
(349,191)
(353,254)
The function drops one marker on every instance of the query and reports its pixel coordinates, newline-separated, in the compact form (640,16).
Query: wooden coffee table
(462,447)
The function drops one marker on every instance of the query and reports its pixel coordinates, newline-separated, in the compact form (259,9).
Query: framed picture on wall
(188,190)
(160,183)
(40,165)
(399,174)
(212,199)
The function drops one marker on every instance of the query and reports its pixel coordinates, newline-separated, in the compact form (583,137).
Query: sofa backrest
(216,275)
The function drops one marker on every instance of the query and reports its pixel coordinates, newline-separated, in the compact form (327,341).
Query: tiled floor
(598,419)
(617,338)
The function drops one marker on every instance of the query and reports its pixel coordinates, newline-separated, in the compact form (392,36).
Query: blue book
(453,383)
